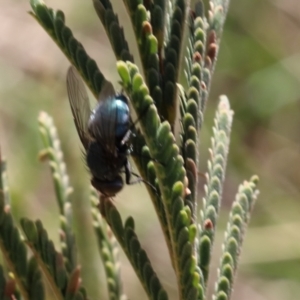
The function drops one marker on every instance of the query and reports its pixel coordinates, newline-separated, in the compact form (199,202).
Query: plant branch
(137,256)
(234,236)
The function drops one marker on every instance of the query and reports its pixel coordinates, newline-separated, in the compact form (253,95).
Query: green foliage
(108,249)
(54,23)
(113,30)
(234,236)
(165,31)
(215,179)
(25,278)
(137,256)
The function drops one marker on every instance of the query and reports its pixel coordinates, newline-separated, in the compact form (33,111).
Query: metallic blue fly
(104,133)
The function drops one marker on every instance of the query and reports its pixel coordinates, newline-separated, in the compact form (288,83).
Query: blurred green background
(258,69)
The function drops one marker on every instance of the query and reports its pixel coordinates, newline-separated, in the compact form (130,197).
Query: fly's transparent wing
(79,103)
(107,91)
(107,125)
(108,129)
(103,127)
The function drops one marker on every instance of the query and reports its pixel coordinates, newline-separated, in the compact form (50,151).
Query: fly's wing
(107,128)
(103,127)
(110,131)
(107,91)
(79,103)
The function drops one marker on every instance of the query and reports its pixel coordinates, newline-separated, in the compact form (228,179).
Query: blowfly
(104,133)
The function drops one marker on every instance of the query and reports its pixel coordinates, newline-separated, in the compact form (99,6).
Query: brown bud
(212,37)
(212,51)
(208,62)
(197,57)
(192,14)
(208,225)
(147,28)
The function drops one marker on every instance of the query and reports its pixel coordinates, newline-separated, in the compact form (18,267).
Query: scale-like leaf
(54,24)
(137,256)
(214,186)
(14,252)
(234,236)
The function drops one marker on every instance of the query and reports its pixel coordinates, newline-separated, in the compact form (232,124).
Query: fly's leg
(145,182)
(131,129)
(126,137)
(128,174)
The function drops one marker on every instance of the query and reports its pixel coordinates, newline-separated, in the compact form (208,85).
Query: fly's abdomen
(108,188)
(105,169)
(102,164)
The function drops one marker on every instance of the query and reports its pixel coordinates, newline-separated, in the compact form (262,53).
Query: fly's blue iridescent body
(104,133)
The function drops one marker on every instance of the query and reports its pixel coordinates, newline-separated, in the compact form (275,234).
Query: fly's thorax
(110,120)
